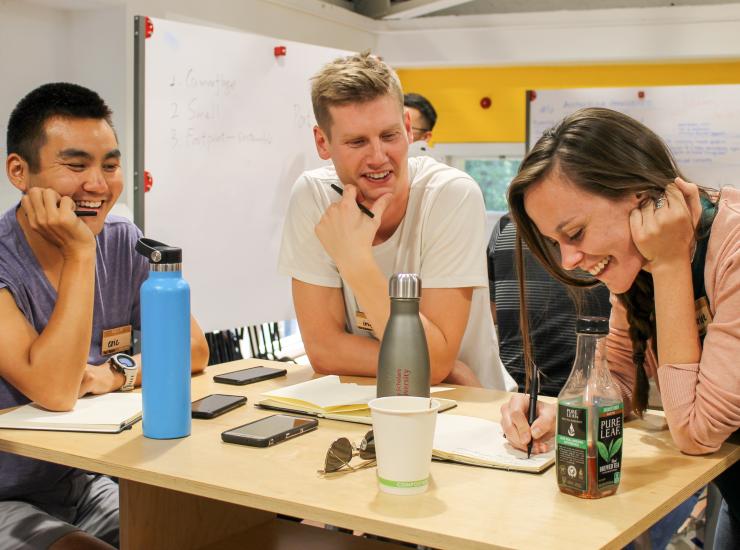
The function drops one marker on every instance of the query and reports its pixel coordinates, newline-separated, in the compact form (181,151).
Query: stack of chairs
(224,346)
(264,343)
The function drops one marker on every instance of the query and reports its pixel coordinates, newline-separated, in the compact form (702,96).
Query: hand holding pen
(347,232)
(53,217)
(534,389)
(360,206)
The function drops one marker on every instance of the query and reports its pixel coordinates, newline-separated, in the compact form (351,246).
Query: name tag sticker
(362,322)
(703,315)
(116,340)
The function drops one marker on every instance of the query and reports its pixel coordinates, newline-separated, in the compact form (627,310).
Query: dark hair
(420,103)
(606,153)
(26,133)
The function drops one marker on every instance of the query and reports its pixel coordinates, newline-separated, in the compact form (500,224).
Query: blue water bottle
(165,343)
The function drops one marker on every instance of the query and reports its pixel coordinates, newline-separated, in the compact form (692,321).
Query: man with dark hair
(69,280)
(423,116)
(427,218)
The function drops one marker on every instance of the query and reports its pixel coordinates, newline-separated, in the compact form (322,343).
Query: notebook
(111,413)
(328,397)
(481,442)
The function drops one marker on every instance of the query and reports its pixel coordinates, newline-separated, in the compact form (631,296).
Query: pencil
(361,207)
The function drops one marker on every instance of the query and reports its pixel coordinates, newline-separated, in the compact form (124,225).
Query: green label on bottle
(609,445)
(572,446)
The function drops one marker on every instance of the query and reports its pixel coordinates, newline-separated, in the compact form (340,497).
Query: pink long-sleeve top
(701,400)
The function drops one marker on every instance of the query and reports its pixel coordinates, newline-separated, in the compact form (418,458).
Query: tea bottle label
(572,447)
(609,445)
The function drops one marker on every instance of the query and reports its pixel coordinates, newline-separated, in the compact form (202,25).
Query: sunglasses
(342,451)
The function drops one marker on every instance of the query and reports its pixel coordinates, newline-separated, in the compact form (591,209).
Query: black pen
(341,192)
(534,388)
(85,213)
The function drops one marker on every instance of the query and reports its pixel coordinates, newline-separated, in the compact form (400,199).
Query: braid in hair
(639,302)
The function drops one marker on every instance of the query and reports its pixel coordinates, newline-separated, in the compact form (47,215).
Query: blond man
(427,218)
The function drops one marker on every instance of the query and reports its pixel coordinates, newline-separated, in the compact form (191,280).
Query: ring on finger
(660,203)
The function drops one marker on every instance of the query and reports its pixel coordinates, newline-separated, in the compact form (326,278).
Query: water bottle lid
(405,285)
(159,253)
(592,325)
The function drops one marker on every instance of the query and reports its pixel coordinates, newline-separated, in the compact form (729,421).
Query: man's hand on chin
(346,233)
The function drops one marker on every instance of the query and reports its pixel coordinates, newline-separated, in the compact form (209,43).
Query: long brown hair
(605,153)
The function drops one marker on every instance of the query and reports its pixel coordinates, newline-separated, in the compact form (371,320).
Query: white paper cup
(403,428)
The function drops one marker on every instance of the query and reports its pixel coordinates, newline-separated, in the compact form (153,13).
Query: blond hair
(353,79)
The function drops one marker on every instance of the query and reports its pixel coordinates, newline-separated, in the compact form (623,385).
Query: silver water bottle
(403,365)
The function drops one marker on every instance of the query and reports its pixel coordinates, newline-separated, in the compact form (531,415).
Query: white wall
(91,42)
(631,35)
(33,40)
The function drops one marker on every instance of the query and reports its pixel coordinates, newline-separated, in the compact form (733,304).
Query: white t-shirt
(441,237)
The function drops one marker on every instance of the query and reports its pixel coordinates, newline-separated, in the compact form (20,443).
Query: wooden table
(197,492)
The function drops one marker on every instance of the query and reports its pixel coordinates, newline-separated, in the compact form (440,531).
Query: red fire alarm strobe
(148,27)
(148,181)
(280,51)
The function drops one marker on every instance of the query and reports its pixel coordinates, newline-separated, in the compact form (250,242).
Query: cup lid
(157,252)
(405,285)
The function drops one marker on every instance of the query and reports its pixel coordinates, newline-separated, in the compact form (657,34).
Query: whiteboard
(228,129)
(700,124)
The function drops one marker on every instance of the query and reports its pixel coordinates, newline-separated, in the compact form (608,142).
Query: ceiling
(411,9)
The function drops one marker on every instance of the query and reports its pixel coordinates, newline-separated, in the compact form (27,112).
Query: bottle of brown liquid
(590,419)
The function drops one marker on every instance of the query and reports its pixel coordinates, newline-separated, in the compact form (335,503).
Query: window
(493,176)
(492,165)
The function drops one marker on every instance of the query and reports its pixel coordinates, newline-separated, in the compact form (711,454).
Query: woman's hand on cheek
(664,235)
(690,193)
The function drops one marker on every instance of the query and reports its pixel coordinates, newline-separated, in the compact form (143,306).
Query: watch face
(125,361)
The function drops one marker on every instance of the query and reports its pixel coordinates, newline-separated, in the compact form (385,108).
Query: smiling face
(79,159)
(591,231)
(368,143)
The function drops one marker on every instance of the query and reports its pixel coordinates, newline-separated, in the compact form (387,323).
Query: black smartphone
(270,430)
(216,404)
(249,376)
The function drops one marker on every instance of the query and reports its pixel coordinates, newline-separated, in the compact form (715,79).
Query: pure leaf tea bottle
(590,419)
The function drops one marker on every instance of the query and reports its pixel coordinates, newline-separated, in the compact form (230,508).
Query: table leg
(152,517)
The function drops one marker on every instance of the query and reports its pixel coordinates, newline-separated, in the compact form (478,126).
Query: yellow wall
(456,93)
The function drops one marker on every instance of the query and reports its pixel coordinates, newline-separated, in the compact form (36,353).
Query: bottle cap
(405,285)
(592,325)
(159,253)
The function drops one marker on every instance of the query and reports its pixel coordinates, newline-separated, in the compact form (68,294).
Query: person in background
(423,116)
(428,218)
(65,282)
(601,192)
(550,308)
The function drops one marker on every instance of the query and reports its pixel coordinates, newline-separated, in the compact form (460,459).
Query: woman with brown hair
(601,193)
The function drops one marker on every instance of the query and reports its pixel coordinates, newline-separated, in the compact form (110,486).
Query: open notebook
(328,397)
(111,412)
(481,442)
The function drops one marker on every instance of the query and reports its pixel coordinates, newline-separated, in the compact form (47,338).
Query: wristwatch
(126,365)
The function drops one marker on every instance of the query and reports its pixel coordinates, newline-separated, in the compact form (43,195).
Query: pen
(85,213)
(534,388)
(341,192)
